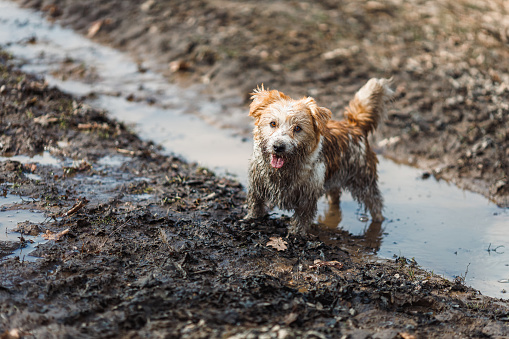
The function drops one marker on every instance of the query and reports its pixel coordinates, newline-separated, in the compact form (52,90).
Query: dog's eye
(297,129)
(273,124)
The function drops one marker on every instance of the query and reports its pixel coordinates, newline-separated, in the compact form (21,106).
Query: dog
(300,154)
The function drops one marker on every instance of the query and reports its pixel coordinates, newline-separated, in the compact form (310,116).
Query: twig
(125,151)
(94,125)
(495,249)
(55,236)
(76,207)
(319,264)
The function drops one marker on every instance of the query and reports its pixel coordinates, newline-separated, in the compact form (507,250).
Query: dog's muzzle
(279,148)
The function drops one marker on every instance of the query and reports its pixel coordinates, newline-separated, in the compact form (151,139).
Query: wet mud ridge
(143,245)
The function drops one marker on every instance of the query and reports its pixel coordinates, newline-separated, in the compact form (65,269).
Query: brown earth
(179,262)
(162,252)
(449,60)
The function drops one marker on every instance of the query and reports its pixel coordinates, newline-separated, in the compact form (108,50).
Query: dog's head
(287,129)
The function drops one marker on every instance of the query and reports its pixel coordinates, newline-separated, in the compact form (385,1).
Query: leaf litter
(277,243)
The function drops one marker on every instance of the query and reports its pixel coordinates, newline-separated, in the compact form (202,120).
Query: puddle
(9,219)
(140,197)
(45,158)
(448,231)
(183,134)
(100,185)
(33,177)
(111,161)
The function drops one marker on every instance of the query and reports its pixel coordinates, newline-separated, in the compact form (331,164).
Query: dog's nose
(279,148)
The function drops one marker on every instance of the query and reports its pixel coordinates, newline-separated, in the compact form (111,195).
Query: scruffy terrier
(299,153)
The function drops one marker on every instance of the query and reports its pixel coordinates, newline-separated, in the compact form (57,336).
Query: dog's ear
(262,98)
(321,115)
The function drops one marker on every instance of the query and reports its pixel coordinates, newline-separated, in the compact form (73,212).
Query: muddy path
(142,244)
(161,252)
(449,61)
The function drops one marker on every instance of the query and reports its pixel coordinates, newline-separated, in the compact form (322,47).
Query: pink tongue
(276,162)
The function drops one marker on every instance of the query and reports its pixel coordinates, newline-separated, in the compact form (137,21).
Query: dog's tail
(369,106)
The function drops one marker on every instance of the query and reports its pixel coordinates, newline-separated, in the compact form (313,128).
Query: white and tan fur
(299,153)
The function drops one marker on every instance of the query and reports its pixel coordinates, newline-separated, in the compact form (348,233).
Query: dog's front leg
(255,205)
(303,218)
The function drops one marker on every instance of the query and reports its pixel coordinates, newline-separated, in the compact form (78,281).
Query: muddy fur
(300,154)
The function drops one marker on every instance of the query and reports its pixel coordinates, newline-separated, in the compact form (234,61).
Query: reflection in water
(373,236)
(330,220)
(10,218)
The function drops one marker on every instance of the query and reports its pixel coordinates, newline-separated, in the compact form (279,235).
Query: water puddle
(111,161)
(15,243)
(99,184)
(183,134)
(447,230)
(45,158)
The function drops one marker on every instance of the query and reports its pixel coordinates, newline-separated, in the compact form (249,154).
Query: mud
(161,250)
(449,62)
(145,245)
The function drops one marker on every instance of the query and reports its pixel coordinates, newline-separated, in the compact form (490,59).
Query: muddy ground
(449,60)
(179,263)
(162,252)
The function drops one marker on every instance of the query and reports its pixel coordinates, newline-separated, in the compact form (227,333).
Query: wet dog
(299,153)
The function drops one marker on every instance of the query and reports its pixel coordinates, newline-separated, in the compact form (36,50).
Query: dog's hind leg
(374,203)
(372,198)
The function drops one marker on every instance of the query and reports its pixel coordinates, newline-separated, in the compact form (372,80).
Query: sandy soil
(162,251)
(449,60)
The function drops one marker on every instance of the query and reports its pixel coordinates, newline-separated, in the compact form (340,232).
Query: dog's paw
(251,217)
(377,217)
(297,230)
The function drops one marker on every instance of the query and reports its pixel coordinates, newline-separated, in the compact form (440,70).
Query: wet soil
(449,60)
(162,252)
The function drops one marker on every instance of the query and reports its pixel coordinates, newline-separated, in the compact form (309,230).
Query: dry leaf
(30,167)
(55,236)
(278,243)
(94,28)
(13,334)
(52,10)
(319,263)
(290,318)
(45,119)
(405,335)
